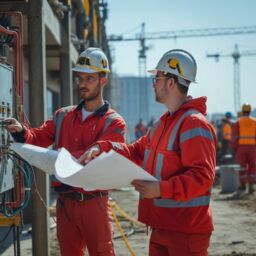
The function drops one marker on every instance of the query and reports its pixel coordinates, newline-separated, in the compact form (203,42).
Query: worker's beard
(93,94)
(157,98)
(160,94)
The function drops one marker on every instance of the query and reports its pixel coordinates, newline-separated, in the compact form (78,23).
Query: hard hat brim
(153,71)
(84,70)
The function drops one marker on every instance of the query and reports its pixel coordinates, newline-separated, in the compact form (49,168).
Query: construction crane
(236,56)
(143,36)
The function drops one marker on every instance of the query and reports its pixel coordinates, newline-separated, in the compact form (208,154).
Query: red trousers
(246,157)
(171,243)
(82,225)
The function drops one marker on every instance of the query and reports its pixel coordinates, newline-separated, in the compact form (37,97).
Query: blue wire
(26,169)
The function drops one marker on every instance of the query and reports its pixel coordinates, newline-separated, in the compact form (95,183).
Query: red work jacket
(180,152)
(76,135)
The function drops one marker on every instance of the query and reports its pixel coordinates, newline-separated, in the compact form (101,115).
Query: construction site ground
(234,234)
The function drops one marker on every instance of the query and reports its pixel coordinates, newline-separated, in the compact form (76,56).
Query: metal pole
(65,61)
(37,99)
(237,97)
(91,17)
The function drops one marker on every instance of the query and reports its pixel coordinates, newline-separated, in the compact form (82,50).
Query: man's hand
(12,125)
(90,154)
(148,189)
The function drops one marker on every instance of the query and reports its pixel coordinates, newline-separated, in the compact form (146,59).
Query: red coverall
(179,151)
(83,219)
(244,143)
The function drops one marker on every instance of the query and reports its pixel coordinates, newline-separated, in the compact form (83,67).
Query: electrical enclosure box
(6,110)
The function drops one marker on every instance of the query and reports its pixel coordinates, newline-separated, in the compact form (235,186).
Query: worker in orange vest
(140,129)
(226,133)
(244,144)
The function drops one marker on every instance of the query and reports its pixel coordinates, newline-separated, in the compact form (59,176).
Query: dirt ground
(234,218)
(234,234)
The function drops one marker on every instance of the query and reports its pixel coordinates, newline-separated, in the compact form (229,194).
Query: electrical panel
(6,110)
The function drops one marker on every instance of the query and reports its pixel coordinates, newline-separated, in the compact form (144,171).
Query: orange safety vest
(227,132)
(247,131)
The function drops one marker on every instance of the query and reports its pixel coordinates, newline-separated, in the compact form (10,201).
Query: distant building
(137,100)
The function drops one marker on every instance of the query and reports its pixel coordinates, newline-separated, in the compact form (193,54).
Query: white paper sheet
(42,158)
(108,171)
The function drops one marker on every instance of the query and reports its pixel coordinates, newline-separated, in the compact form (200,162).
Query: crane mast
(236,64)
(207,32)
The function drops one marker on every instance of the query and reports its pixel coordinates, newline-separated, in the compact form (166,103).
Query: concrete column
(37,100)
(65,61)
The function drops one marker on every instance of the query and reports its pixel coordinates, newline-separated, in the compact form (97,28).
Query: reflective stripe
(195,202)
(177,126)
(116,145)
(119,131)
(109,120)
(146,155)
(246,137)
(168,203)
(192,133)
(153,129)
(57,119)
(159,165)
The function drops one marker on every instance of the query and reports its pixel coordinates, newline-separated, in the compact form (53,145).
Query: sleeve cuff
(165,189)
(105,146)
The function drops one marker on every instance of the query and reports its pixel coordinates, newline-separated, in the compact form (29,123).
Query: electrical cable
(126,216)
(41,198)
(122,232)
(25,170)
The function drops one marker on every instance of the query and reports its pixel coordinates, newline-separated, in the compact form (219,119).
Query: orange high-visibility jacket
(244,132)
(227,132)
(180,152)
(76,135)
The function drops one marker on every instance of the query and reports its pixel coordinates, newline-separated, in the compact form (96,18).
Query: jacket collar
(198,104)
(100,111)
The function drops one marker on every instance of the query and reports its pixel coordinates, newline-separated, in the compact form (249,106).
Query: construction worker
(226,133)
(244,144)
(150,123)
(140,129)
(180,151)
(83,218)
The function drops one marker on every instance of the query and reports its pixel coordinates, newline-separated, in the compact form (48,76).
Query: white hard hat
(92,60)
(180,63)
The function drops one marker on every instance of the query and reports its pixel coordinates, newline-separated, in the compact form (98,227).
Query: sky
(214,79)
